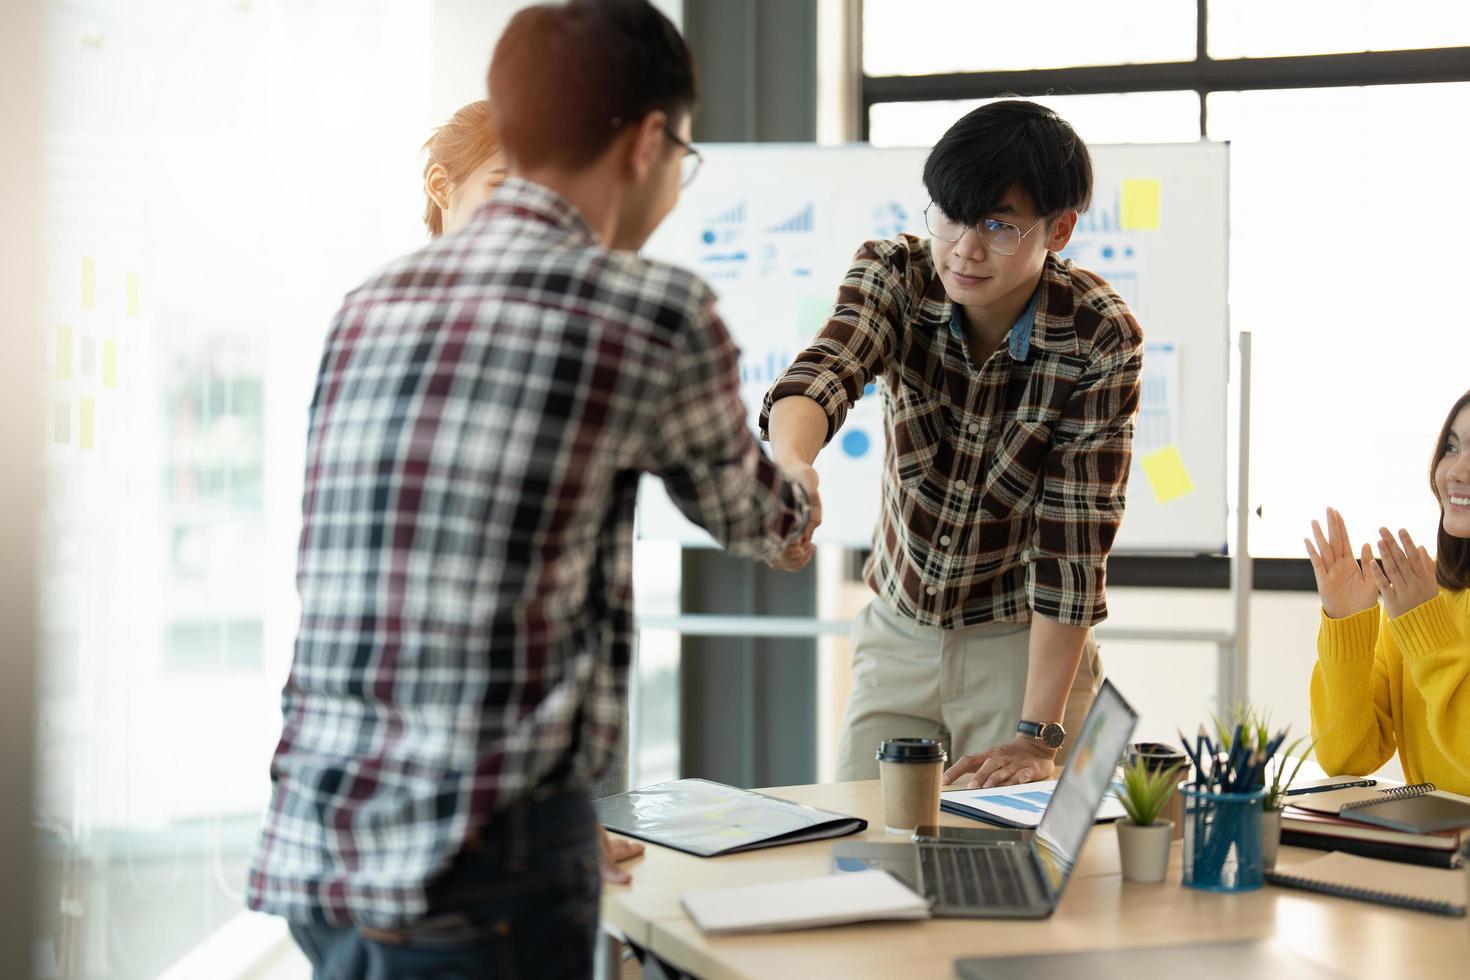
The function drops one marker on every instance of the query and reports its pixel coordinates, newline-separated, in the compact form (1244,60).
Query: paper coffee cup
(910,770)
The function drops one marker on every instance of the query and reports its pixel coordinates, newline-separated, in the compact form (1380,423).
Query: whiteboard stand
(1233,685)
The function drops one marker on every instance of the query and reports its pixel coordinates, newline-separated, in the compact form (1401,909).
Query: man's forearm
(798,428)
(1054,653)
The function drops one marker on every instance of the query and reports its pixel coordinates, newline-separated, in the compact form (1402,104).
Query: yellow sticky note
(132,294)
(89,283)
(63,353)
(1140,206)
(84,436)
(109,363)
(1167,474)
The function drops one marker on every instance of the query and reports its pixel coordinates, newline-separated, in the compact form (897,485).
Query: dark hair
(1451,554)
(975,163)
(565,78)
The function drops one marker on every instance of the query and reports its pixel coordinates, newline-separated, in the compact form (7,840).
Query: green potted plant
(1143,839)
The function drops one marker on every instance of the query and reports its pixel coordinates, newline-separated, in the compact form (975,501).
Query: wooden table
(1099,910)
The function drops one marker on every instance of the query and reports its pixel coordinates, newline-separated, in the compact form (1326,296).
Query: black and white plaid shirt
(483,411)
(1003,482)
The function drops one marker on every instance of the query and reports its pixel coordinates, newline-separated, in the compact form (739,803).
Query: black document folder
(708,819)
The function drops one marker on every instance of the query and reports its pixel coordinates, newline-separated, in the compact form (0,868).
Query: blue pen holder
(1222,840)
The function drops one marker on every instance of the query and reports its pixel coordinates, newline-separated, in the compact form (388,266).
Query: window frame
(1203,76)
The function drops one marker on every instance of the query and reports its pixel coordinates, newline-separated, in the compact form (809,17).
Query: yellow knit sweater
(1382,685)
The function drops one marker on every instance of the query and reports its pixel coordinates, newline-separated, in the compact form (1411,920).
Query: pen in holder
(1224,807)
(1222,840)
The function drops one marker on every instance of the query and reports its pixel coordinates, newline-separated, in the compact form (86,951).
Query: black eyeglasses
(693,159)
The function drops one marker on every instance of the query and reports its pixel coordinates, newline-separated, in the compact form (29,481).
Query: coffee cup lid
(1157,756)
(911,750)
(1155,748)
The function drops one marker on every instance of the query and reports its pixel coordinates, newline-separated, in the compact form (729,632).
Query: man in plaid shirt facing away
(483,411)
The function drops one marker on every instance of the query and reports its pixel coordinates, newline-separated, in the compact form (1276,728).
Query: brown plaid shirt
(1003,483)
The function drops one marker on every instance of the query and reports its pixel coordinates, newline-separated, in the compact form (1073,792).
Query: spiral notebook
(1333,801)
(1416,809)
(1404,886)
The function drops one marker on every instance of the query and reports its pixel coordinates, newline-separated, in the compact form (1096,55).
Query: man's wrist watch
(1048,733)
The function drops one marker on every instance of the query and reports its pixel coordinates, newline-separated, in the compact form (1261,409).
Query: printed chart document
(1017,806)
(707,818)
(805,903)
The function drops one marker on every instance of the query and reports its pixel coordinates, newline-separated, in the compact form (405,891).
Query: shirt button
(974,427)
(932,590)
(944,540)
(960,484)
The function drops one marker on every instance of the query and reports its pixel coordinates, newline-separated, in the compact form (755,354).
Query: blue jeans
(520,901)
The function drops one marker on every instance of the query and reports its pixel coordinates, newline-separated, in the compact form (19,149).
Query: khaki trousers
(963,687)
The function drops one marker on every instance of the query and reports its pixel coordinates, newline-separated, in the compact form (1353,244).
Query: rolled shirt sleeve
(859,338)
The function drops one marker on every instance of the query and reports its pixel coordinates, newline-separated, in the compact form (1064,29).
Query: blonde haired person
(463,168)
(1399,680)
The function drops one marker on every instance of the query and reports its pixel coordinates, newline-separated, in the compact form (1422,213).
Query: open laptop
(1014,874)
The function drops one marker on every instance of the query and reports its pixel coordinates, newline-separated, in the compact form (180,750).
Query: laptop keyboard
(973,876)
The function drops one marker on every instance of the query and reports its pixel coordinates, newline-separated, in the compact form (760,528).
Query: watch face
(1053,735)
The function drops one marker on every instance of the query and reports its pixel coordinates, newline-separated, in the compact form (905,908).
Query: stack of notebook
(1412,824)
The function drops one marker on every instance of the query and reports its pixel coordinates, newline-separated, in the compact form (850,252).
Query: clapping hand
(1346,586)
(1406,579)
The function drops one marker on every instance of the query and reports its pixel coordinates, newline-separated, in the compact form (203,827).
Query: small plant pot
(1145,850)
(1270,838)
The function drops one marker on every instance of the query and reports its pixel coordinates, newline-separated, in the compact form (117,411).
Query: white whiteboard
(773,228)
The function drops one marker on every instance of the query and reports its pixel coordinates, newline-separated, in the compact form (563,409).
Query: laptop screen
(1085,781)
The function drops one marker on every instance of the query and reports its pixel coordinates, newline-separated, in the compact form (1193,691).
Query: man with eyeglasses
(1010,385)
(484,410)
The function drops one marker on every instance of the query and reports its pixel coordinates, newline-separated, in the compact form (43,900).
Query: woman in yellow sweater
(1399,680)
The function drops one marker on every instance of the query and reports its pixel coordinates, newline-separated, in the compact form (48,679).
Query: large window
(921,37)
(1266,28)
(1132,117)
(217,176)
